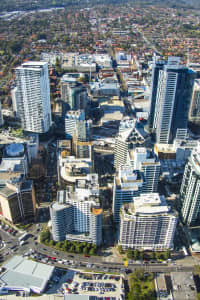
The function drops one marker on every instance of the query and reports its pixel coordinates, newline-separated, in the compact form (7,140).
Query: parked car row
(7,228)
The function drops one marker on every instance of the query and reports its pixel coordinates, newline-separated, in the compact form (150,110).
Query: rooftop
(34,64)
(26,274)
(6,192)
(97,211)
(183,286)
(147,204)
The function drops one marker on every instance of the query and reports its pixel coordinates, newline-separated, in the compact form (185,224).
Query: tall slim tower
(1,116)
(190,189)
(173,88)
(33,96)
(194,114)
(157,66)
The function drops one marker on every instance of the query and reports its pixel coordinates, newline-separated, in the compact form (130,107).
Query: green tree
(157,255)
(78,248)
(44,235)
(72,248)
(85,250)
(129,254)
(120,249)
(92,251)
(51,243)
(141,254)
(136,254)
(153,255)
(58,245)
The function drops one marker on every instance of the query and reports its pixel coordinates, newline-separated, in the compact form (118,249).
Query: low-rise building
(104,89)
(17,200)
(183,286)
(21,274)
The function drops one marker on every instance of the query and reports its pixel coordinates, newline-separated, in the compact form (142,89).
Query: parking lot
(95,284)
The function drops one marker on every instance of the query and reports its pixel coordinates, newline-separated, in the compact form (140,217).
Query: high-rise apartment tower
(33,96)
(190,189)
(170,99)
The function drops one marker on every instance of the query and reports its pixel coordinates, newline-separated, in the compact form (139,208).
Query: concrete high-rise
(1,116)
(17,200)
(194,113)
(121,148)
(73,92)
(170,99)
(149,166)
(71,119)
(157,66)
(140,175)
(33,96)
(77,215)
(127,183)
(190,189)
(147,224)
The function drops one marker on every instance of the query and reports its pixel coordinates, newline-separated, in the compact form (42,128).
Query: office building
(194,113)
(127,184)
(170,99)
(17,200)
(190,189)
(71,119)
(147,224)
(33,96)
(73,92)
(77,214)
(82,144)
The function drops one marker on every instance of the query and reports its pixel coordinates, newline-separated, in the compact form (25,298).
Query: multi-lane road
(97,263)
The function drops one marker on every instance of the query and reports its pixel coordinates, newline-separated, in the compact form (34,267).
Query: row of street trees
(136,254)
(68,246)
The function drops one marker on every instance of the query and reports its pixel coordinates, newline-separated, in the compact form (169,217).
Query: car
(70,256)
(86,255)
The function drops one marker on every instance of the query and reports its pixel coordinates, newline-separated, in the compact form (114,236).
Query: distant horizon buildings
(171,93)
(33,97)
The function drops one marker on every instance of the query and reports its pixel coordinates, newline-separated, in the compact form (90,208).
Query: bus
(185,251)
(23,237)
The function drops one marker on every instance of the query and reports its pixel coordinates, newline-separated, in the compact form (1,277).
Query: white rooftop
(35,63)
(26,274)
(150,203)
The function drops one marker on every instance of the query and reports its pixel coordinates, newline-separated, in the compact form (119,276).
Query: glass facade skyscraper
(170,99)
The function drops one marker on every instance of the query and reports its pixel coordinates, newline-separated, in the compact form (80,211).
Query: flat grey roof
(24,273)
(77,297)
